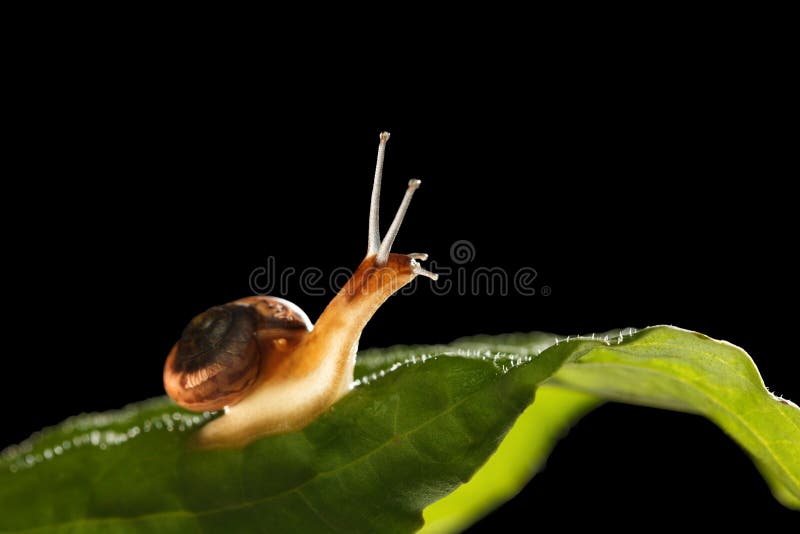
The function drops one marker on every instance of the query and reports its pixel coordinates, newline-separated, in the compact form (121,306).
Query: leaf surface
(420,423)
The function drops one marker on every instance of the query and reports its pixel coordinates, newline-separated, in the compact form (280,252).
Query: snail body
(263,362)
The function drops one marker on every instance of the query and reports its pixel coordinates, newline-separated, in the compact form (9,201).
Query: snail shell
(222,352)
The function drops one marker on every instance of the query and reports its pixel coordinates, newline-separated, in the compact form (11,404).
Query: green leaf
(672,368)
(691,372)
(421,423)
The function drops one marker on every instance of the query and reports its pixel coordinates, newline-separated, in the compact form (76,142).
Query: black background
(640,199)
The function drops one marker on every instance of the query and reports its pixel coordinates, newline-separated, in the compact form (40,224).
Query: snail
(261,359)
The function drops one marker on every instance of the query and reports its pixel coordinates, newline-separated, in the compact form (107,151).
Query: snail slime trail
(263,361)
